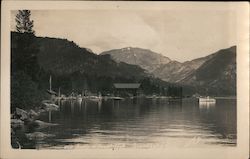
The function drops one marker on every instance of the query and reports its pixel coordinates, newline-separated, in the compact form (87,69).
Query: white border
(242,149)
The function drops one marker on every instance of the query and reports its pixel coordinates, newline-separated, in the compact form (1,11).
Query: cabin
(126,89)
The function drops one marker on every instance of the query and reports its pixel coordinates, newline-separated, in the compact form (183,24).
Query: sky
(180,34)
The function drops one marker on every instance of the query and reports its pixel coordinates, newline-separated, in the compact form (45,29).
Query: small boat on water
(71,98)
(206,100)
(151,97)
(117,98)
(94,98)
(112,98)
(79,99)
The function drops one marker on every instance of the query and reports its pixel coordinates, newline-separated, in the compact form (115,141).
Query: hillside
(64,57)
(144,58)
(175,71)
(217,75)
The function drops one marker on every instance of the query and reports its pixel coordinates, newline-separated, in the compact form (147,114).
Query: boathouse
(126,89)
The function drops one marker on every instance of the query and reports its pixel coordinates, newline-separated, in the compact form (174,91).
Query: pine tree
(23,22)
(24,55)
(24,64)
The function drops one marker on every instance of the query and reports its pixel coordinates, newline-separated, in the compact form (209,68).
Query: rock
(22,113)
(49,106)
(41,111)
(42,123)
(38,136)
(46,101)
(32,113)
(16,122)
(12,116)
(38,124)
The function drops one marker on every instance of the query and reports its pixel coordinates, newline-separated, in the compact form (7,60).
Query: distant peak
(126,48)
(134,48)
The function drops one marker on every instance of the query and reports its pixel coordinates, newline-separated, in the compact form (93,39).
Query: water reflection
(142,122)
(206,105)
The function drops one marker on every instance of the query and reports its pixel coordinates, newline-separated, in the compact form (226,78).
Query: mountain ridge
(144,58)
(185,73)
(217,73)
(155,63)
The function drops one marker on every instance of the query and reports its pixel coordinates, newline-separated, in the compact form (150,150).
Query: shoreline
(21,119)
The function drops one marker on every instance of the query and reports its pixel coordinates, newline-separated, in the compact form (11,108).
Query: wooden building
(126,89)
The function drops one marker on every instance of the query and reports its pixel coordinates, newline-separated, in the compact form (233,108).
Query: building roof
(127,85)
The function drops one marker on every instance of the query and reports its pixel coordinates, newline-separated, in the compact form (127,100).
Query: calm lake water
(140,123)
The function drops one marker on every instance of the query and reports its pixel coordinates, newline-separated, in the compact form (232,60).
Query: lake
(138,123)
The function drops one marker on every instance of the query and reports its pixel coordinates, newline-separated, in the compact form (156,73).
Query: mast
(59,92)
(50,83)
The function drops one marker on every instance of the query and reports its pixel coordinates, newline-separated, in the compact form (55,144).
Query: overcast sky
(178,34)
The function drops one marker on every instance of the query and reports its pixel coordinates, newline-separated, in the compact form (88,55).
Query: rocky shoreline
(22,119)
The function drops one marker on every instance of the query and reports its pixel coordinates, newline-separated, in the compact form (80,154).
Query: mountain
(216,75)
(160,66)
(175,71)
(216,72)
(144,58)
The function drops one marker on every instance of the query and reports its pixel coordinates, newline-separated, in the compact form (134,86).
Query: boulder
(38,124)
(32,113)
(16,123)
(38,136)
(22,114)
(46,101)
(51,106)
(41,111)
(42,123)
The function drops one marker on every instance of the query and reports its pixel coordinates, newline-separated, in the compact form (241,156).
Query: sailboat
(50,91)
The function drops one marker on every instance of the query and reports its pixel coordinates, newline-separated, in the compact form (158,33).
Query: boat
(94,98)
(79,98)
(117,98)
(151,97)
(71,98)
(207,100)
